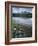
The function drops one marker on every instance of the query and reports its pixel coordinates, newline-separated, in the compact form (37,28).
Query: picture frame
(10,8)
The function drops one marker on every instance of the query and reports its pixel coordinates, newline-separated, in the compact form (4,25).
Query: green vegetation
(25,14)
(25,31)
(18,30)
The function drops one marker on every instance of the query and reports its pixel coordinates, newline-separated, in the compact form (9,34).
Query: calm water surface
(23,21)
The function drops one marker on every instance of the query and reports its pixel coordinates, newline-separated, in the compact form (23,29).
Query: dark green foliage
(27,15)
(25,31)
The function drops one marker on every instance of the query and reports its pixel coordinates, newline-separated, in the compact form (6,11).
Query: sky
(19,10)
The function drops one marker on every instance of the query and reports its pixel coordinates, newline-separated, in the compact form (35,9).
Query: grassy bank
(20,31)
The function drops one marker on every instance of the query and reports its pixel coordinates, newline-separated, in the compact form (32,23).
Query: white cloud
(19,10)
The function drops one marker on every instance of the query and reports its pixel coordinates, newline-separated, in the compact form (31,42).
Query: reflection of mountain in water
(23,21)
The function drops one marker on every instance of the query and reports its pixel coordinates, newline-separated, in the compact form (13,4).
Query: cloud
(19,10)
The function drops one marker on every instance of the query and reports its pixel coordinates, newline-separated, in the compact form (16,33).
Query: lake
(23,21)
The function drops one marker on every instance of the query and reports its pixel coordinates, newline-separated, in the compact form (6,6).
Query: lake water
(22,21)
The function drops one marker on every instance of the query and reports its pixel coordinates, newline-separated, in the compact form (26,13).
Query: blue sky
(19,10)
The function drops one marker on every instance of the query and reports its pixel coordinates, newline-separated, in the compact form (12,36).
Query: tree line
(26,15)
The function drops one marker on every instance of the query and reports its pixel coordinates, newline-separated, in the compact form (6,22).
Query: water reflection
(23,21)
